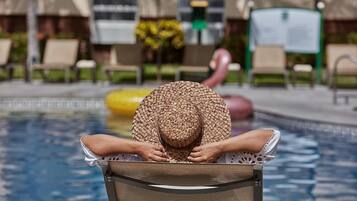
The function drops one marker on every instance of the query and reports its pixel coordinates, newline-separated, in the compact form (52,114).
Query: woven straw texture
(182,115)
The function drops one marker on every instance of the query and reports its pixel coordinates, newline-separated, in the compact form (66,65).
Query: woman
(250,142)
(184,122)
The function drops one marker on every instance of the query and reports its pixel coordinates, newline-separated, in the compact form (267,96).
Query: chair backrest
(181,181)
(269,56)
(198,55)
(5,46)
(61,51)
(333,51)
(126,54)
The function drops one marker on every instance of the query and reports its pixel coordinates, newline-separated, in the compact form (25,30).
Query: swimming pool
(40,159)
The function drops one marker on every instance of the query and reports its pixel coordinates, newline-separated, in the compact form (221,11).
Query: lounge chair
(125,57)
(179,181)
(5,47)
(269,60)
(60,54)
(196,59)
(345,67)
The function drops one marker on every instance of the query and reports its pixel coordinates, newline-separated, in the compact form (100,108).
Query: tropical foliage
(167,33)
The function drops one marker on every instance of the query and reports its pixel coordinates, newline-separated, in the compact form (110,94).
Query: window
(114,21)
(214,17)
(115,10)
(214,11)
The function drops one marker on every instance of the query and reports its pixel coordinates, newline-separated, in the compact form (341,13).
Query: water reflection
(40,159)
(121,126)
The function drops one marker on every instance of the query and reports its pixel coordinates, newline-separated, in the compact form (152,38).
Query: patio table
(86,64)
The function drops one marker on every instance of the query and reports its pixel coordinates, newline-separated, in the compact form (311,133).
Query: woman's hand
(150,152)
(205,153)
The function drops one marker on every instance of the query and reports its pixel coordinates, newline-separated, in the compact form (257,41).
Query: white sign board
(297,30)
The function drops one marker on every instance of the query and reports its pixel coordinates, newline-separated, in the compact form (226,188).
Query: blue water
(41,160)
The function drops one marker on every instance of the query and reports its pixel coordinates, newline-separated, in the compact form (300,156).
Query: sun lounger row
(61,54)
(58,55)
(272,60)
(267,60)
(127,57)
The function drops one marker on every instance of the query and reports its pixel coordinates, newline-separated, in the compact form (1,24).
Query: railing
(334,79)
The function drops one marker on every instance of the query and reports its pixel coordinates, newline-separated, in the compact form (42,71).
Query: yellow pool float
(123,102)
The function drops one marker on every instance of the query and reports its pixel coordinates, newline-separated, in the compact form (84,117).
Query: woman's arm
(104,145)
(252,142)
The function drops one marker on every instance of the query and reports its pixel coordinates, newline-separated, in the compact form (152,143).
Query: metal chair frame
(336,96)
(256,181)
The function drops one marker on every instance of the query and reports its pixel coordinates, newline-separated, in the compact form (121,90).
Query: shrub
(341,38)
(168,33)
(19,47)
(298,58)
(352,38)
(235,44)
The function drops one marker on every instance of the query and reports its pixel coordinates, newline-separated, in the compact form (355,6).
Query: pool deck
(300,102)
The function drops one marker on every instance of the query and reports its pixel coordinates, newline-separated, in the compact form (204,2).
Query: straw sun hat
(180,116)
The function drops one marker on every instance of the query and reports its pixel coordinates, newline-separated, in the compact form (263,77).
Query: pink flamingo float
(239,106)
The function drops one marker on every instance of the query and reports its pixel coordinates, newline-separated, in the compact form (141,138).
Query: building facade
(106,22)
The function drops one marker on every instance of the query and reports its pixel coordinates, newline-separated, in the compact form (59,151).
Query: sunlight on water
(41,159)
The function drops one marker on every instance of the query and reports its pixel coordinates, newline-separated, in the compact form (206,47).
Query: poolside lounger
(60,54)
(269,60)
(196,59)
(5,47)
(146,181)
(125,57)
(235,176)
(345,66)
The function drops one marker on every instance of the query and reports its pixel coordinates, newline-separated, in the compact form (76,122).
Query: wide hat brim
(215,118)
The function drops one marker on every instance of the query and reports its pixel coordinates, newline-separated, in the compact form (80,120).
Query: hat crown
(198,116)
(179,123)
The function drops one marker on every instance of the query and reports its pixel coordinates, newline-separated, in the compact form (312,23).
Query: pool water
(41,160)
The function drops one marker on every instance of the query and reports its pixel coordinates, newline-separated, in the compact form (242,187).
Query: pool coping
(291,122)
(57,104)
(284,116)
(51,104)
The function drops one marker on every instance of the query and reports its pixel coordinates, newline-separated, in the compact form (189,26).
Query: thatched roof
(47,7)
(334,9)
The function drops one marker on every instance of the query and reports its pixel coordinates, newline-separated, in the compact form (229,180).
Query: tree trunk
(32,44)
